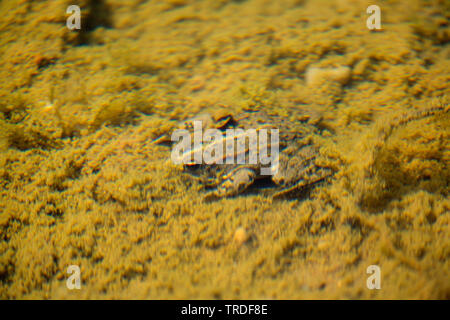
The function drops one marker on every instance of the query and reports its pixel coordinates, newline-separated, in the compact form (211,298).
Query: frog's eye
(222,122)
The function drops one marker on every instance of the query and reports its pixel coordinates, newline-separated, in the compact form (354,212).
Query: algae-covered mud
(87,180)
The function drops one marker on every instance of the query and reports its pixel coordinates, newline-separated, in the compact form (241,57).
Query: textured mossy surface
(83,183)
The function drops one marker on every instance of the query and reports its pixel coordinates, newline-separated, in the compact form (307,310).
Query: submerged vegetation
(83,182)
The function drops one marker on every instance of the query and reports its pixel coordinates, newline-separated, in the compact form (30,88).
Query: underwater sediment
(83,183)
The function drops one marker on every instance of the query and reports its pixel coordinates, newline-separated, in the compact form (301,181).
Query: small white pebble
(317,76)
(240,236)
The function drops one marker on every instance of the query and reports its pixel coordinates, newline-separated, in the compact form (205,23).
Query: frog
(296,171)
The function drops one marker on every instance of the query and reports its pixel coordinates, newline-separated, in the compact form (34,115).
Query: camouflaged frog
(295,171)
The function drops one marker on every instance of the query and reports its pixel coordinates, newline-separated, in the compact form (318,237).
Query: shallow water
(83,181)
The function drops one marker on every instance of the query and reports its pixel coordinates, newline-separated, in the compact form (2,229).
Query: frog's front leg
(234,183)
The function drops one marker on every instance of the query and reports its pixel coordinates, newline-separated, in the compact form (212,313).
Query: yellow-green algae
(82,181)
